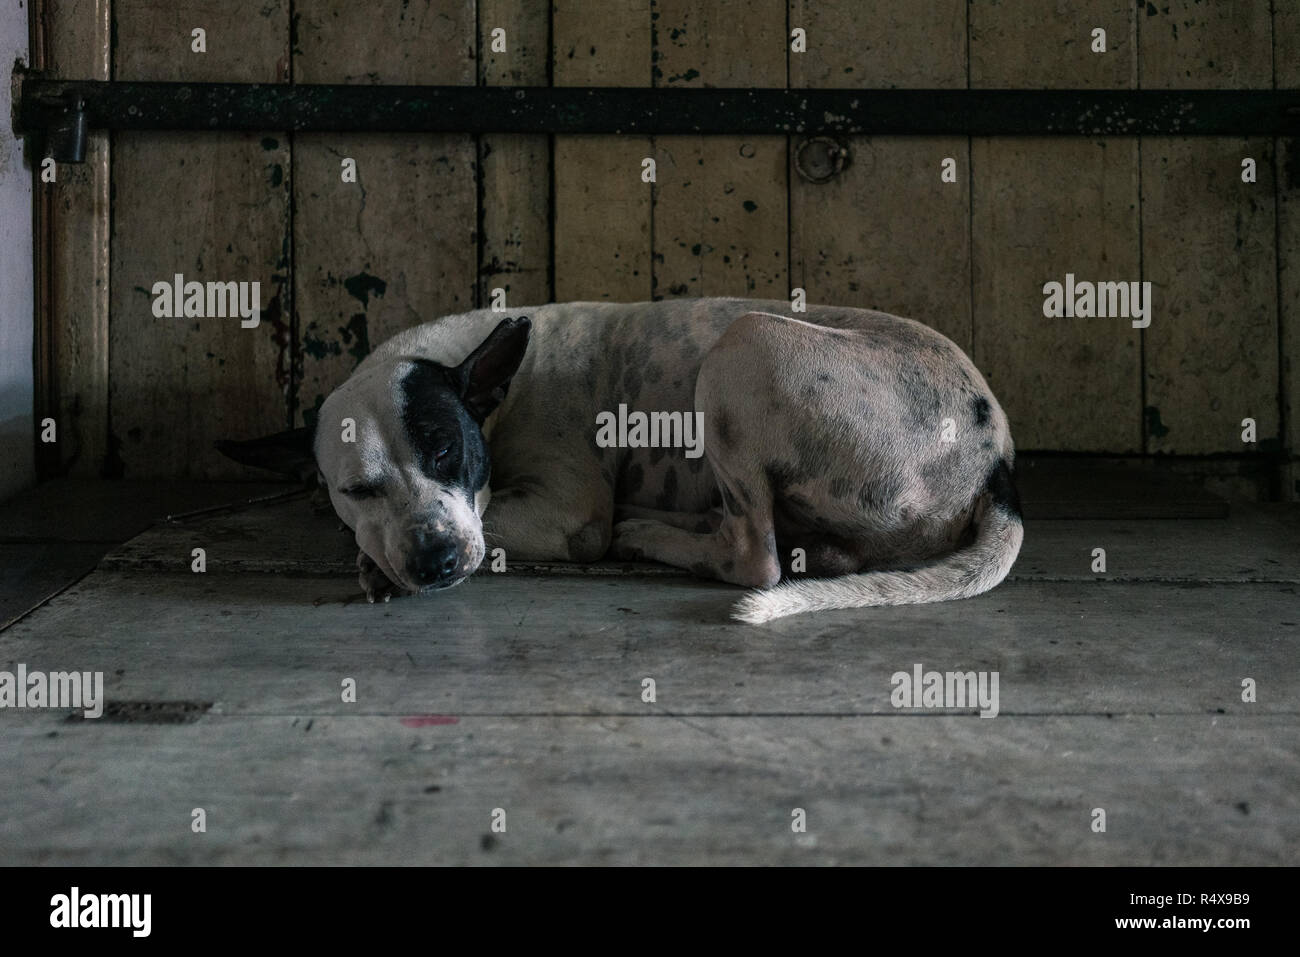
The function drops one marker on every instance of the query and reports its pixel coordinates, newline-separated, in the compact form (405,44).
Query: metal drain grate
(150,712)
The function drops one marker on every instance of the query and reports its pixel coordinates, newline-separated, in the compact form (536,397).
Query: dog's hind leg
(742,549)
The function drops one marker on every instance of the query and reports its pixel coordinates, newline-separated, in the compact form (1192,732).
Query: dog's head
(400,448)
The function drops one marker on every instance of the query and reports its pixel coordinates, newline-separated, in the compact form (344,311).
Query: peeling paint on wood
(515,170)
(1027,44)
(860,238)
(1191,44)
(887,234)
(1211,351)
(398,246)
(1214,360)
(602,209)
(1044,208)
(720,221)
(78,39)
(208,207)
(880,45)
(389,41)
(720,203)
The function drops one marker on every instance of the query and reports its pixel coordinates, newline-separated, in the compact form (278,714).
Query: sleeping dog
(851,457)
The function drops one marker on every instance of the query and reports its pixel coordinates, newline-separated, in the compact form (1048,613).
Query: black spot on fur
(722,429)
(981,409)
(811,445)
(781,475)
(799,502)
(633,478)
(436,419)
(733,505)
(667,500)
(880,493)
(633,367)
(1001,485)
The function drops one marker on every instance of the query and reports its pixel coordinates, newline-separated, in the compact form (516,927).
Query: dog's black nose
(435,562)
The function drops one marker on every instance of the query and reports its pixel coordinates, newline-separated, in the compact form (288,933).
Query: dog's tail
(963,574)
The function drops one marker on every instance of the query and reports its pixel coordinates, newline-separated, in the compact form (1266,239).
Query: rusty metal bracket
(66,128)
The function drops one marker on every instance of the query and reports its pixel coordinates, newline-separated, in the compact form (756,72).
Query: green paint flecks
(361,286)
(309,416)
(319,348)
(356,335)
(1155,428)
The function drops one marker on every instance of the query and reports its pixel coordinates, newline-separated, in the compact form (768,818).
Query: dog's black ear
(288,453)
(486,372)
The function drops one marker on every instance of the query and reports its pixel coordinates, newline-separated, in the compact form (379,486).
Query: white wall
(17,462)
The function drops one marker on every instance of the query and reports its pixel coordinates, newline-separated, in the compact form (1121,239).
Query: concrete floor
(522,692)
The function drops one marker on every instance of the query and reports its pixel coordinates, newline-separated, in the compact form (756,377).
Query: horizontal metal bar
(340,108)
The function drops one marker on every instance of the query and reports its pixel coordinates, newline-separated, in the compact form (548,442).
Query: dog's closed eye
(361,490)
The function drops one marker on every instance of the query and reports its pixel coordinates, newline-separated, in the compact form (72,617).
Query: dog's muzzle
(435,560)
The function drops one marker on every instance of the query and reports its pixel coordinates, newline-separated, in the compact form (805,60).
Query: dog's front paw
(630,539)
(373,581)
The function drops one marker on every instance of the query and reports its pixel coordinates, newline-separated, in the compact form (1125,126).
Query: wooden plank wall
(601,205)
(210,207)
(1046,207)
(76,34)
(398,246)
(849,245)
(719,207)
(435,223)
(1209,239)
(515,170)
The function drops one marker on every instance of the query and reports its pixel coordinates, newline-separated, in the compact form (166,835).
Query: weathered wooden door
(959,232)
